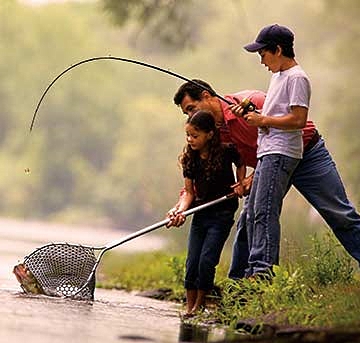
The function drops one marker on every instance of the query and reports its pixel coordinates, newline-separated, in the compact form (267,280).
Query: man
(329,198)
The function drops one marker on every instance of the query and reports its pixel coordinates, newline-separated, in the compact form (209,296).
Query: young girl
(208,174)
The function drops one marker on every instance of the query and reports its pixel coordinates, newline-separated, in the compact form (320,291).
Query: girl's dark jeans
(208,233)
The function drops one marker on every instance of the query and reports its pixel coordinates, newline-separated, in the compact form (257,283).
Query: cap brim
(254,47)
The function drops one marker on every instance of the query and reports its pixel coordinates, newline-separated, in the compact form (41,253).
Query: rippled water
(114,317)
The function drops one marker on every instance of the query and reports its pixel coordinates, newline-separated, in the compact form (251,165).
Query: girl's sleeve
(188,173)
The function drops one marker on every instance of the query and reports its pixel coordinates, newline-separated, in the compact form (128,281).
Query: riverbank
(294,306)
(303,299)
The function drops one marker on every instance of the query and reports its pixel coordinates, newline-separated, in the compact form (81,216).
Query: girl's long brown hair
(203,121)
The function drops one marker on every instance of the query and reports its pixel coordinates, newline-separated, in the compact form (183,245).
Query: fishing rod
(128,60)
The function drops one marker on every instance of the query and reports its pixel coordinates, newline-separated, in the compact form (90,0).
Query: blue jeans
(240,248)
(208,233)
(318,180)
(270,185)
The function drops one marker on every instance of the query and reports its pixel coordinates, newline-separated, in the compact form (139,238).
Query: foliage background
(105,144)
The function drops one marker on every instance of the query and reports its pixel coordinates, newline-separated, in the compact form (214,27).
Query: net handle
(148,229)
(166,221)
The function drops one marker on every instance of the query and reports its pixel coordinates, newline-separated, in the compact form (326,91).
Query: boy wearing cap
(280,146)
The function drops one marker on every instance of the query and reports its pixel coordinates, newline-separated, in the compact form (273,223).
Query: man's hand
(237,110)
(238,189)
(242,107)
(247,182)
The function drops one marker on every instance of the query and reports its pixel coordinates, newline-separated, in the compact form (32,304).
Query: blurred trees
(94,146)
(343,106)
(166,21)
(107,136)
(332,45)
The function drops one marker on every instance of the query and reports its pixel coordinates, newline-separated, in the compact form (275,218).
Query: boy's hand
(255,119)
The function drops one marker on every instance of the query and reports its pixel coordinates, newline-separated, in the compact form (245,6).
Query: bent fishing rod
(121,59)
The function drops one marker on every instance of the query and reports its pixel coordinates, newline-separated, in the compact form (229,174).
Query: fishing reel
(247,106)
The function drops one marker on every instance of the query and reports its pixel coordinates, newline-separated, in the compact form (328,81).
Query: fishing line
(143,64)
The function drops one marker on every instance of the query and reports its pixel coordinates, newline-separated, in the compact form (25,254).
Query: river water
(114,316)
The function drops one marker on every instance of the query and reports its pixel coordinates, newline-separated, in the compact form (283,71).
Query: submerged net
(62,269)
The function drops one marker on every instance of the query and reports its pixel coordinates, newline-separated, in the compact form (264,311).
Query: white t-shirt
(287,88)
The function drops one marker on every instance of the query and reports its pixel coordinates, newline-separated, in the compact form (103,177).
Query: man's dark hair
(193,90)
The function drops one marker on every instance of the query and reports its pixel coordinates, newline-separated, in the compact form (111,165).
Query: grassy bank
(319,288)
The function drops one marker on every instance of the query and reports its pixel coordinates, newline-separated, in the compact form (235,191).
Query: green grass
(146,271)
(290,299)
(319,288)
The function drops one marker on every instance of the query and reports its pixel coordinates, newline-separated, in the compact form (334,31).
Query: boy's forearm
(294,120)
(287,122)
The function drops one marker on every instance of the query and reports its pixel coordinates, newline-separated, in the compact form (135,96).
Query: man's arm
(238,187)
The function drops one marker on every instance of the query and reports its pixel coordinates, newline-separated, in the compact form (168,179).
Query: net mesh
(62,269)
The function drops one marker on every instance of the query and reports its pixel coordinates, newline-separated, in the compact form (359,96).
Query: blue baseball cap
(271,35)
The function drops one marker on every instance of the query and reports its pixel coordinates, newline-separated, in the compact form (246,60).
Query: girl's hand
(176,217)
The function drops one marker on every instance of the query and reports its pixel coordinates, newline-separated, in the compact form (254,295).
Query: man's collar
(228,115)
